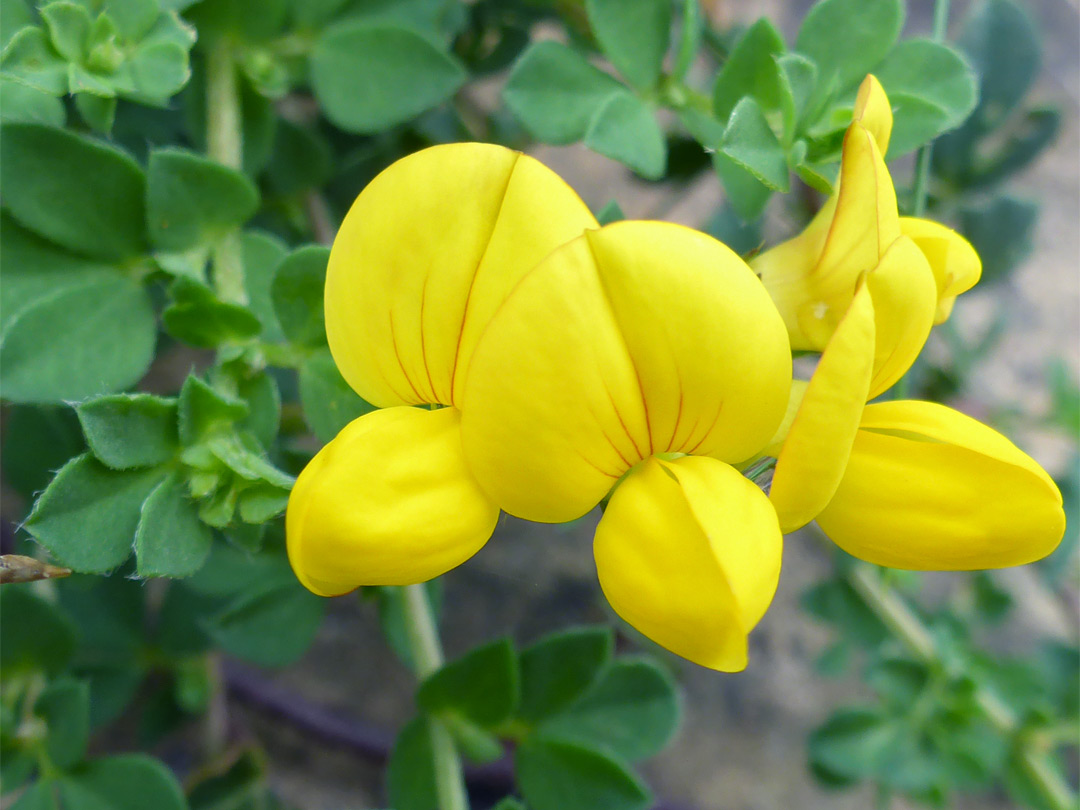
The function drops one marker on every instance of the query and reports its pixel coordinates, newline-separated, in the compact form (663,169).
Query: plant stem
(922,161)
(427,657)
(894,612)
(225,144)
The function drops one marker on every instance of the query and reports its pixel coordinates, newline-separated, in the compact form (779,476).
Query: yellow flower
(425,256)
(646,352)
(813,276)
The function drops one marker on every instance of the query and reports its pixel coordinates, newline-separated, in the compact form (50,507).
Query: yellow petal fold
(424,257)
(636,339)
(688,552)
(812,278)
(814,453)
(873,111)
(388,502)
(930,488)
(905,299)
(954,262)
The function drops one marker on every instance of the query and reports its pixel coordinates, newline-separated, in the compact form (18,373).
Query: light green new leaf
(130,430)
(625,129)
(88,515)
(559,775)
(368,77)
(82,340)
(751,70)
(555,92)
(171,541)
(29,57)
(750,142)
(30,104)
(192,200)
(846,38)
(69,28)
(102,190)
(633,34)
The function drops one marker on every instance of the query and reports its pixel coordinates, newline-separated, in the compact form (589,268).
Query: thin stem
(225,144)
(894,612)
(427,657)
(922,161)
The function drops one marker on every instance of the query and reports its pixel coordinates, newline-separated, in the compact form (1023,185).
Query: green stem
(922,161)
(427,657)
(894,612)
(225,144)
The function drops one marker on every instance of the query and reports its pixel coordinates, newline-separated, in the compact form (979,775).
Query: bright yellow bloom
(646,352)
(425,256)
(930,488)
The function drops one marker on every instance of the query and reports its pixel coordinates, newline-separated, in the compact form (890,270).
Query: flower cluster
(645,364)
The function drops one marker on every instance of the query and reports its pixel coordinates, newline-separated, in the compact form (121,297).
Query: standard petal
(388,502)
(426,254)
(905,299)
(815,452)
(873,111)
(636,339)
(688,552)
(954,262)
(929,488)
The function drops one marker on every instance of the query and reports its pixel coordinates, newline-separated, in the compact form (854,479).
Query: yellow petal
(424,257)
(815,452)
(953,260)
(812,278)
(388,502)
(905,299)
(639,338)
(929,488)
(873,111)
(688,552)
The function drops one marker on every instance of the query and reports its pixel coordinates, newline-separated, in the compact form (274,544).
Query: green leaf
(34,633)
(297,293)
(916,121)
(28,103)
(301,160)
(558,669)
(837,602)
(555,92)
(410,773)
(1002,231)
(625,130)
(747,195)
(750,142)
(329,403)
(29,57)
(482,685)
(558,775)
(797,75)
(262,253)
(1003,45)
(751,70)
(99,113)
(197,316)
(14,16)
(171,541)
(130,430)
(1029,136)
(159,69)
(633,711)
(37,442)
(87,516)
(263,399)
(270,627)
(203,410)
(691,29)
(633,34)
(101,187)
(133,18)
(65,708)
(192,200)
(69,28)
(852,744)
(244,457)
(846,38)
(368,77)
(81,340)
(130,782)
(611,212)
(509,803)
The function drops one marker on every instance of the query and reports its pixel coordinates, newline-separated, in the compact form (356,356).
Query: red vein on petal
(397,354)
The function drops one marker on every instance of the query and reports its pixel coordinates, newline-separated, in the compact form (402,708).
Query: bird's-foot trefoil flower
(646,355)
(425,256)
